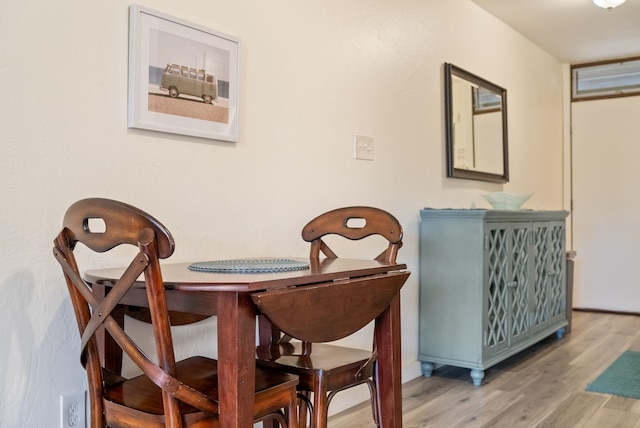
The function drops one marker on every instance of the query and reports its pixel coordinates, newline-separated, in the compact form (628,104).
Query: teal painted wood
(492,283)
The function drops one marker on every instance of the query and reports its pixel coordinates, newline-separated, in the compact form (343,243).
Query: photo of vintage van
(182,80)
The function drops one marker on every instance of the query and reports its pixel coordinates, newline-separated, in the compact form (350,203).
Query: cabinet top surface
(490,214)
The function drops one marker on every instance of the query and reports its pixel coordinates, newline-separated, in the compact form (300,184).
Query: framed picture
(183,78)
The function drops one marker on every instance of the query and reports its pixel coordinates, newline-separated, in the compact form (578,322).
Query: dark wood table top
(177,276)
(228,295)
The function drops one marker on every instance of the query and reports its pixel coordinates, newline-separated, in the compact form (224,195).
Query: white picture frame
(159,45)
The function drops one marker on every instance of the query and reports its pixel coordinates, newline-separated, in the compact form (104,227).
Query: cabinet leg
(427,368)
(477,376)
(560,333)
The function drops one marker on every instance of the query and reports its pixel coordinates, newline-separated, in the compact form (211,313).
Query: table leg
(236,359)
(389,368)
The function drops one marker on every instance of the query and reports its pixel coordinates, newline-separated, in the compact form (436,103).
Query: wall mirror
(475,127)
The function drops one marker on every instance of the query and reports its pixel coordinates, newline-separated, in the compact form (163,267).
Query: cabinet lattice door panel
(491,284)
(557,262)
(497,326)
(519,282)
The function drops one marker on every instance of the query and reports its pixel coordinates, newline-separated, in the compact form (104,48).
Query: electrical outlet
(72,411)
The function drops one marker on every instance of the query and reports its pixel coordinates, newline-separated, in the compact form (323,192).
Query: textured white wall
(312,74)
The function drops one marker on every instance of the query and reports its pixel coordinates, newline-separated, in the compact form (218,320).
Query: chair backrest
(354,223)
(101,225)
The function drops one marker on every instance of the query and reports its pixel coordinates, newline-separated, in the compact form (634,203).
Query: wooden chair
(168,393)
(325,369)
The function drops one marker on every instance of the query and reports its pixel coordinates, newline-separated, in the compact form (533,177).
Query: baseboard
(606,311)
(411,371)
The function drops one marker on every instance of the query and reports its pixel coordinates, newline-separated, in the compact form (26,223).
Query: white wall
(313,74)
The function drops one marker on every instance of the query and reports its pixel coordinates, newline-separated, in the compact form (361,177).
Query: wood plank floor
(543,386)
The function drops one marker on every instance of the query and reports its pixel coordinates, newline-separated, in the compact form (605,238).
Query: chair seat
(337,364)
(200,373)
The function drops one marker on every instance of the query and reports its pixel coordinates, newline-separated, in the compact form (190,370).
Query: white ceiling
(574,31)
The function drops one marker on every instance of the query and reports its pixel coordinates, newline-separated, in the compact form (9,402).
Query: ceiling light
(608,4)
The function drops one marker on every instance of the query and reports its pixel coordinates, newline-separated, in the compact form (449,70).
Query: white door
(606,203)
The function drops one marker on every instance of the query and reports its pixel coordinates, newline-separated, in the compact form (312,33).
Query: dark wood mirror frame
(475,173)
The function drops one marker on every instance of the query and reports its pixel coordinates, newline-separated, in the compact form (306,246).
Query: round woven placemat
(249,266)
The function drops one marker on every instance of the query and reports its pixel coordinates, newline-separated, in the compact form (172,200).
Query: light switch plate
(363,147)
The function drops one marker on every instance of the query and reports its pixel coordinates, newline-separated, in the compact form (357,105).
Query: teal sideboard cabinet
(492,283)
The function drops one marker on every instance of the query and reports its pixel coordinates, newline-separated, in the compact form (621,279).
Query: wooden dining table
(228,296)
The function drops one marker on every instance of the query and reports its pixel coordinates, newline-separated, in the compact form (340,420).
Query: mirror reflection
(476,127)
